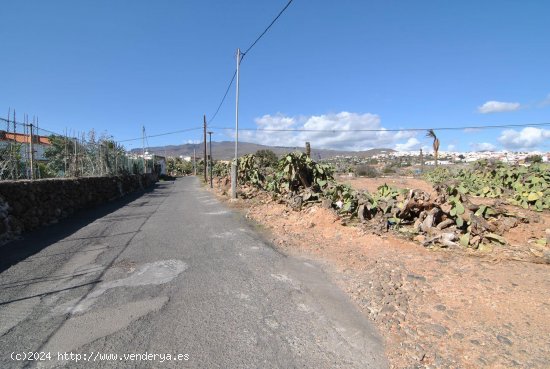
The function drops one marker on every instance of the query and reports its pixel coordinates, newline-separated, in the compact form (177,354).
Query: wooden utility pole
(204,126)
(194,161)
(308,150)
(32,153)
(15,163)
(210,156)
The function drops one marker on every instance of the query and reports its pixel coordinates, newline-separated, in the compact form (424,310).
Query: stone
(326,203)
(458,336)
(414,277)
(57,198)
(419,238)
(439,330)
(504,340)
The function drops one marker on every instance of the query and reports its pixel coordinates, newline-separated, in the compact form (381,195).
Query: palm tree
(431,134)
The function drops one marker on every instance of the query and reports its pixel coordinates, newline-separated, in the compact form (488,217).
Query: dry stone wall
(27,205)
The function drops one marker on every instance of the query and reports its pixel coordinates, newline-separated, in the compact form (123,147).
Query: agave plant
(435,144)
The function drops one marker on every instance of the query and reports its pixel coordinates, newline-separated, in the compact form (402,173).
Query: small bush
(366,171)
(388,170)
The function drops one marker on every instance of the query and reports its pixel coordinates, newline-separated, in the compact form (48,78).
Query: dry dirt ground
(435,308)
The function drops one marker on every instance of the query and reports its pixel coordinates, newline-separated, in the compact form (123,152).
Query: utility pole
(143,149)
(66,154)
(32,153)
(210,147)
(75,157)
(235,162)
(14,149)
(204,136)
(194,161)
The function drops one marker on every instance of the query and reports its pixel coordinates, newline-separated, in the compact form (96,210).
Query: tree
(11,164)
(267,158)
(75,157)
(59,155)
(435,145)
(533,159)
(178,166)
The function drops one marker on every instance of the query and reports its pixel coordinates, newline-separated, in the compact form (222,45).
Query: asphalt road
(172,271)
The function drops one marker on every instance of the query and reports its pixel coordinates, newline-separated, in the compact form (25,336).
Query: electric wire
(224,96)
(267,29)
(162,134)
(242,56)
(126,140)
(386,129)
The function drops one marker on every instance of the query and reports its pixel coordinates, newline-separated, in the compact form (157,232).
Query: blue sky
(117,65)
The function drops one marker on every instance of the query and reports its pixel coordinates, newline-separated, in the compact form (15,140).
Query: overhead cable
(385,129)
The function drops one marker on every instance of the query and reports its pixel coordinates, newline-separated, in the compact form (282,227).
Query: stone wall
(27,205)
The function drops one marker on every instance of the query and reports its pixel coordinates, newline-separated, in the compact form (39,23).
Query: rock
(440,307)
(414,277)
(458,336)
(419,238)
(388,309)
(439,330)
(504,340)
(326,203)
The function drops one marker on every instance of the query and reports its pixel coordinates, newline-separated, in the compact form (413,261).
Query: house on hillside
(40,144)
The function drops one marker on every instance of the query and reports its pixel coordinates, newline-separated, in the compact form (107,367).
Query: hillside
(225,150)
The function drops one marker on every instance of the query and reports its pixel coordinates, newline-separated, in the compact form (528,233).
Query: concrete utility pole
(210,156)
(204,127)
(143,149)
(235,162)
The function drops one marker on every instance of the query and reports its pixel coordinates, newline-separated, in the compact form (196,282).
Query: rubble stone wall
(27,205)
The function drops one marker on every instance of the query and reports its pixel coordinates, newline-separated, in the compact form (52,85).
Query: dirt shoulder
(437,309)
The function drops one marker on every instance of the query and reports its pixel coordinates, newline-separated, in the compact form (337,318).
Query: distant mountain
(225,150)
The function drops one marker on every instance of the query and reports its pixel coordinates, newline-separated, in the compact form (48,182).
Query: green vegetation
(528,187)
(267,158)
(449,219)
(178,167)
(366,171)
(73,158)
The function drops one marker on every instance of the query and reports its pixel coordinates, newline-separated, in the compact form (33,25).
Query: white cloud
(527,138)
(411,144)
(498,107)
(335,131)
(483,146)
(451,147)
(545,102)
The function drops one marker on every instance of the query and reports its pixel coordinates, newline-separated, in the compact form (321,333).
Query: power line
(93,143)
(162,134)
(386,130)
(267,29)
(242,56)
(224,96)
